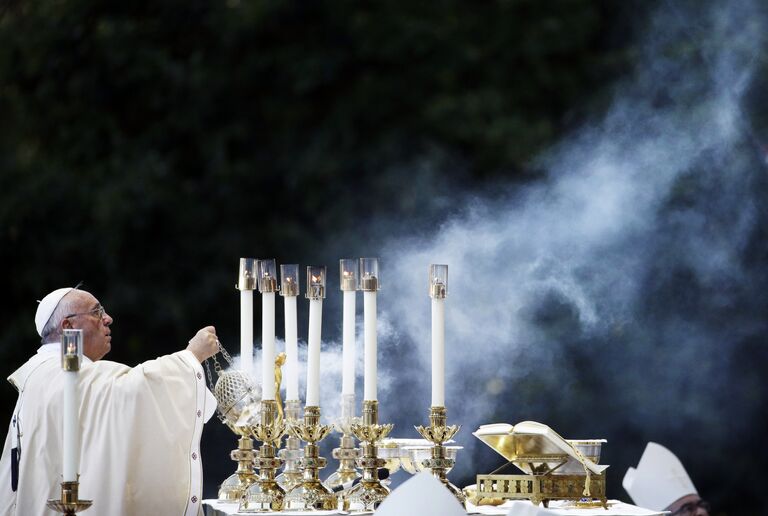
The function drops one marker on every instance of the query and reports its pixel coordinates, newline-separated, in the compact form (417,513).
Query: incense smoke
(617,297)
(612,299)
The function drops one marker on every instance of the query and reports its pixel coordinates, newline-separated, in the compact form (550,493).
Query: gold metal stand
(543,488)
(233,488)
(69,503)
(369,493)
(311,494)
(439,432)
(237,403)
(265,494)
(292,453)
(347,454)
(551,466)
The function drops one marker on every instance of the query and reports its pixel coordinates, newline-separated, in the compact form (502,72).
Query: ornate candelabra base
(233,488)
(347,454)
(266,495)
(369,493)
(311,494)
(69,503)
(292,453)
(438,432)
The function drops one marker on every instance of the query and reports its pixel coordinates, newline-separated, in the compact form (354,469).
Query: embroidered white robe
(139,429)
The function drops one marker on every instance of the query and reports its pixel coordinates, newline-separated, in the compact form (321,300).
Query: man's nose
(107,319)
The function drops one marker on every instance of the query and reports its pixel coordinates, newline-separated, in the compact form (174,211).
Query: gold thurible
(438,432)
(311,494)
(266,495)
(369,493)
(234,394)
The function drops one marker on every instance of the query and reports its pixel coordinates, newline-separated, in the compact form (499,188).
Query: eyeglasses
(98,312)
(689,509)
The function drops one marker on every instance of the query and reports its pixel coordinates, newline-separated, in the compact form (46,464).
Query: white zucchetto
(47,306)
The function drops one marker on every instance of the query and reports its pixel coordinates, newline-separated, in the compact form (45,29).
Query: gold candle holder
(347,453)
(311,494)
(292,453)
(234,487)
(236,397)
(265,494)
(439,432)
(369,493)
(69,503)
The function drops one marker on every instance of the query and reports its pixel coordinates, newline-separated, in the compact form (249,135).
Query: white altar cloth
(615,508)
(217,508)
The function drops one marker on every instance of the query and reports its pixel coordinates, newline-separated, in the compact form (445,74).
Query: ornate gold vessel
(310,494)
(369,493)
(438,432)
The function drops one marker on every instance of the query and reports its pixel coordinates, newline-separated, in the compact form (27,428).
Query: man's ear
(66,324)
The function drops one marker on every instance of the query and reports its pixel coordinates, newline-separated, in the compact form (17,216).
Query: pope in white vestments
(139,427)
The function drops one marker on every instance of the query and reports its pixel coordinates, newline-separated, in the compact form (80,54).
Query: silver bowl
(389,450)
(590,448)
(417,454)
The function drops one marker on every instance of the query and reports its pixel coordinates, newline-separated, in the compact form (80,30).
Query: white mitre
(47,306)
(422,495)
(659,479)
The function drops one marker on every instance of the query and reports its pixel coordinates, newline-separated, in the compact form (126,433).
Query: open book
(536,449)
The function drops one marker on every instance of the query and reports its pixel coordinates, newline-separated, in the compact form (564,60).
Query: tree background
(146,146)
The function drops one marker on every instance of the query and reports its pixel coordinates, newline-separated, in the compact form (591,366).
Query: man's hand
(204,344)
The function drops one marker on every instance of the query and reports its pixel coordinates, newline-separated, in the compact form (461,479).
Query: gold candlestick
(233,488)
(347,454)
(439,432)
(237,399)
(237,402)
(265,494)
(69,503)
(369,493)
(311,494)
(292,453)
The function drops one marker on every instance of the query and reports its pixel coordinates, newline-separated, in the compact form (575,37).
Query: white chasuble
(139,430)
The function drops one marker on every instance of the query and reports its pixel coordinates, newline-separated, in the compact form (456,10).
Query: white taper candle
(438,352)
(291,350)
(313,352)
(348,343)
(369,357)
(70,448)
(246,330)
(71,355)
(268,345)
